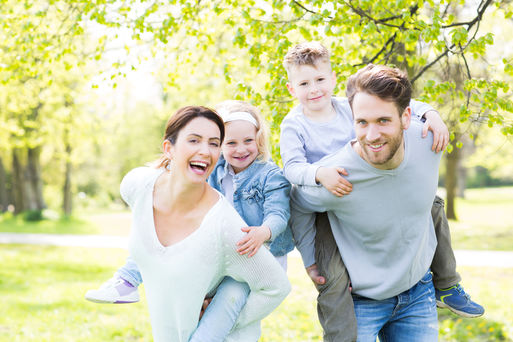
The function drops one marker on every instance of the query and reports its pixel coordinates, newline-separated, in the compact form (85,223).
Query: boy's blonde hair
(232,106)
(308,53)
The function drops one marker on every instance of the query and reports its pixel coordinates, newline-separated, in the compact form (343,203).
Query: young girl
(257,189)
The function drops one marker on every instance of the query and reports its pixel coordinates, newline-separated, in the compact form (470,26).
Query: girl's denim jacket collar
(261,197)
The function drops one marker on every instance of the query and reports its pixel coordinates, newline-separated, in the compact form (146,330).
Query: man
(383,229)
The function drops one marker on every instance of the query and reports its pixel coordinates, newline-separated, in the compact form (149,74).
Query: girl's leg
(222,313)
(282,260)
(130,272)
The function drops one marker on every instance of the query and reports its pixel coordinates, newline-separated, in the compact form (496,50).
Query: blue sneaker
(455,299)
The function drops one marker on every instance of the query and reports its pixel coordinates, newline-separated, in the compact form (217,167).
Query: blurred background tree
(87,86)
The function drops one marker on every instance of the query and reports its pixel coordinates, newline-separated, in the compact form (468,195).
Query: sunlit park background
(87,86)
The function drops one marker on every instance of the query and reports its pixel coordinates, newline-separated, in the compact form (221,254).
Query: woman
(184,234)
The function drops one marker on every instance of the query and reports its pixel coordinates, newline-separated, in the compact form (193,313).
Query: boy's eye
(248,140)
(321,79)
(384,120)
(302,84)
(231,143)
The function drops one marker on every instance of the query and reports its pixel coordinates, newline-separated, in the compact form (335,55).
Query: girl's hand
(435,124)
(331,178)
(252,242)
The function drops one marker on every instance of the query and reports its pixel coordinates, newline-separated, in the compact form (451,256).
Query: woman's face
(239,146)
(196,149)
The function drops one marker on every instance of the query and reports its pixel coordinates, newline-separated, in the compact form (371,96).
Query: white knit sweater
(178,277)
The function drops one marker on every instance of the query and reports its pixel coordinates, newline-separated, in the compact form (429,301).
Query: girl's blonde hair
(232,106)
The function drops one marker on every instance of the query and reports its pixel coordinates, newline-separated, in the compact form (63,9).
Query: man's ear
(406,118)
(291,90)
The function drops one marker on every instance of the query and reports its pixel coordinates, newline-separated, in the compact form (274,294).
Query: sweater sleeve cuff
(310,175)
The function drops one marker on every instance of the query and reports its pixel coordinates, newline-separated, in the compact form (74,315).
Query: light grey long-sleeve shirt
(303,141)
(384,228)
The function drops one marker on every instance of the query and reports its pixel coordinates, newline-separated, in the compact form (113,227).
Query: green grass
(16,224)
(42,292)
(485,220)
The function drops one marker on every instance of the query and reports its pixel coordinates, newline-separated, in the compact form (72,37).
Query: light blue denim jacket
(261,197)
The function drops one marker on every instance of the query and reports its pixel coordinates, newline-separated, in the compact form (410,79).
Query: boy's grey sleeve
(418,109)
(296,168)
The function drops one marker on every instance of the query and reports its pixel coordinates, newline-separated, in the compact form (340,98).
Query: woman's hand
(252,242)
(206,303)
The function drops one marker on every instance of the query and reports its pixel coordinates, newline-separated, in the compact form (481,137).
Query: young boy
(319,126)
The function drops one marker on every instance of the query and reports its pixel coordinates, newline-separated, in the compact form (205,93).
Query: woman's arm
(267,281)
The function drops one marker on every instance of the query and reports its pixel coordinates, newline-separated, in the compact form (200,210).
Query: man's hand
(331,179)
(252,242)
(313,273)
(435,124)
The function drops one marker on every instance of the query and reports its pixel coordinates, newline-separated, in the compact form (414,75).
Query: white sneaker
(116,290)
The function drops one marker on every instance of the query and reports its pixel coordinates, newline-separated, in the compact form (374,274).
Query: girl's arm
(276,212)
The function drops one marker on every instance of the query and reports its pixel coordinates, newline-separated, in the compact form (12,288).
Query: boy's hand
(435,124)
(313,273)
(331,179)
(252,242)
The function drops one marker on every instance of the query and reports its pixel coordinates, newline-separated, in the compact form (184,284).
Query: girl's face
(196,149)
(239,146)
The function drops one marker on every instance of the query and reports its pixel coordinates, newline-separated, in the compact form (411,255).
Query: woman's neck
(172,194)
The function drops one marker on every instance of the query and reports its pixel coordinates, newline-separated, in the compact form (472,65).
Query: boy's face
(312,86)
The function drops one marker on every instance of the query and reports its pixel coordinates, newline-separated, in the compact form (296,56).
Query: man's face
(312,85)
(379,130)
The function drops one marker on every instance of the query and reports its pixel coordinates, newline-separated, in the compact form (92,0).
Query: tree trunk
(67,204)
(18,182)
(451,180)
(4,199)
(35,180)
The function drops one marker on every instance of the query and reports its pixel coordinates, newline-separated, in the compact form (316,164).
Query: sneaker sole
(110,301)
(458,312)
(102,301)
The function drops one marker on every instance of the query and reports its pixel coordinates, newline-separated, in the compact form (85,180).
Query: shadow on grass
(455,328)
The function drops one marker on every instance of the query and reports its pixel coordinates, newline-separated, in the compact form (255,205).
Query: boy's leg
(130,272)
(443,265)
(449,294)
(334,302)
(222,312)
(121,288)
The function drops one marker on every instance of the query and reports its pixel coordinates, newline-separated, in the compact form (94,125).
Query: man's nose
(373,133)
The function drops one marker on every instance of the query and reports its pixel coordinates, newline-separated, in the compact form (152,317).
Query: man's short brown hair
(308,53)
(389,84)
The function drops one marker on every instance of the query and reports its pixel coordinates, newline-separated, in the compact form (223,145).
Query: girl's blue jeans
(220,315)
